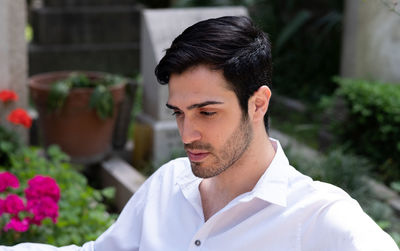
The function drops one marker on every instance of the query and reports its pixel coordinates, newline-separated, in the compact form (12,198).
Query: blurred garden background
(335,105)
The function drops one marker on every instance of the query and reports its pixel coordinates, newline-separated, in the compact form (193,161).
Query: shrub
(371,126)
(40,202)
(82,215)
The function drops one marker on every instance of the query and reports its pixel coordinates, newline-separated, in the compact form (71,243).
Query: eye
(176,113)
(208,113)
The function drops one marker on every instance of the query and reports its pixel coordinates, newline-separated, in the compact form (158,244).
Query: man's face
(209,118)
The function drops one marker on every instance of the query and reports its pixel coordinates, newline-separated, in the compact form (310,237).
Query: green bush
(82,215)
(371,125)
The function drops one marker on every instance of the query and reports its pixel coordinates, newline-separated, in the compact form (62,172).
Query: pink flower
(43,208)
(13,204)
(7,96)
(42,186)
(17,225)
(20,117)
(8,180)
(1,207)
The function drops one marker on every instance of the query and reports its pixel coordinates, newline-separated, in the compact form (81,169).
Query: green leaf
(102,101)
(58,94)
(291,28)
(395,186)
(108,192)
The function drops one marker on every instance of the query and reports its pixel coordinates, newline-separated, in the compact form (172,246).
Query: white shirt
(286,211)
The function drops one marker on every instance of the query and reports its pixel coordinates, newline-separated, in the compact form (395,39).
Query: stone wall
(101,35)
(13,55)
(371,41)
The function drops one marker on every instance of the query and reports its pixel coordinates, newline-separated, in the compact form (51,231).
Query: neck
(242,176)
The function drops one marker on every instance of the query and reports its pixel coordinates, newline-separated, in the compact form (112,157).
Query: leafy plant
(19,214)
(101,99)
(9,140)
(82,215)
(371,122)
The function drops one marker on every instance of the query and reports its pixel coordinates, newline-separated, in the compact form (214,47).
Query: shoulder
(331,218)
(349,228)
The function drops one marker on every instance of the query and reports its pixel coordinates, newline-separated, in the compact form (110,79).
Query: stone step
(113,58)
(87,2)
(91,24)
(116,172)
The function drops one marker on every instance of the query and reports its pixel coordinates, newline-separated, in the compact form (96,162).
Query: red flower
(7,96)
(1,207)
(42,186)
(8,180)
(18,225)
(42,208)
(20,117)
(13,204)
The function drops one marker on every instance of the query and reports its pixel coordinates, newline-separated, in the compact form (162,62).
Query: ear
(259,102)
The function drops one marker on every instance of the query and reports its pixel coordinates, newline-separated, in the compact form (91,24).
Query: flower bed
(43,198)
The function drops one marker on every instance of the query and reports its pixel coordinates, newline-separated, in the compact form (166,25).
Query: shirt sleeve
(125,234)
(344,226)
(44,247)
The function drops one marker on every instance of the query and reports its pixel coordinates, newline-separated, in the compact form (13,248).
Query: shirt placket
(199,240)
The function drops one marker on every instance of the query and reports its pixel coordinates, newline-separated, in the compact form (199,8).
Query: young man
(236,190)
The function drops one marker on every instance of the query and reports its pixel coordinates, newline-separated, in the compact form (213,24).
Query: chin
(204,171)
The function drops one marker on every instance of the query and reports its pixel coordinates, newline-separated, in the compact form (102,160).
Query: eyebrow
(199,105)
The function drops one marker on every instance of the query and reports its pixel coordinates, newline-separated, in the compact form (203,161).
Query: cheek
(217,131)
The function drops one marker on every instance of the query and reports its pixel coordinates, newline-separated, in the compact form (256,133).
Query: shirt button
(197,243)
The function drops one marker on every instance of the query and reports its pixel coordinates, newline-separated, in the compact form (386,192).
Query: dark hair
(231,44)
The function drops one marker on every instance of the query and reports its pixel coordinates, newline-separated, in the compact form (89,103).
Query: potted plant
(77,111)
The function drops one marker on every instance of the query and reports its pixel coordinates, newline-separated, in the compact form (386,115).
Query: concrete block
(165,141)
(371,41)
(117,173)
(13,58)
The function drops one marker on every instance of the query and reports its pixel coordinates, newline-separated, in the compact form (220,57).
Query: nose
(189,132)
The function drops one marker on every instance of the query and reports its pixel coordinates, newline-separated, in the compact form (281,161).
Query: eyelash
(208,113)
(177,113)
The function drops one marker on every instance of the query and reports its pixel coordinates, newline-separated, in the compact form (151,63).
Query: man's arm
(348,228)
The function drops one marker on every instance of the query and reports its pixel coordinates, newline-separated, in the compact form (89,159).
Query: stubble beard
(232,150)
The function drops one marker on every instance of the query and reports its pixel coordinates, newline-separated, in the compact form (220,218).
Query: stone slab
(165,141)
(371,41)
(13,57)
(117,173)
(159,28)
(113,58)
(91,25)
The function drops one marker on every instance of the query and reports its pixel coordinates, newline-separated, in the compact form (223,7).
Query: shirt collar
(271,187)
(273,184)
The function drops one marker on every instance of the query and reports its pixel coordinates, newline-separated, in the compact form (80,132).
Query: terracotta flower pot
(75,127)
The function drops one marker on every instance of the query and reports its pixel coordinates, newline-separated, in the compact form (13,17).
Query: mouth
(197,156)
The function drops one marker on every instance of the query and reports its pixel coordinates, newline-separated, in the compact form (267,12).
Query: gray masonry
(100,35)
(13,56)
(371,40)
(159,28)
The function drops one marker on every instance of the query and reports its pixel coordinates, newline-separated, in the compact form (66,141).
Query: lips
(197,156)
